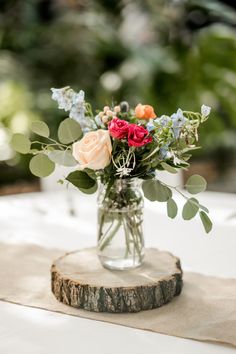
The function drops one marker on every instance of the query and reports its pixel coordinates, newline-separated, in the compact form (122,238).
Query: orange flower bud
(144,111)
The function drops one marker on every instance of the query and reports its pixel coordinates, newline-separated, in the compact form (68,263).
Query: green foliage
(41,166)
(91,173)
(198,61)
(62,157)
(69,131)
(196,184)
(21,143)
(81,180)
(168,168)
(206,221)
(40,128)
(190,209)
(154,190)
(172,208)
(89,190)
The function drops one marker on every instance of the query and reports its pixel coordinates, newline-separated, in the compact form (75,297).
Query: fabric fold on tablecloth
(205,310)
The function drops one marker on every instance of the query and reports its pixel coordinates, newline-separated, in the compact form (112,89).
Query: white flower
(77,108)
(63,96)
(123,171)
(178,121)
(205,111)
(163,120)
(74,102)
(150,126)
(99,121)
(176,160)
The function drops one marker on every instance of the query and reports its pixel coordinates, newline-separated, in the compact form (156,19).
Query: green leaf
(41,166)
(89,190)
(203,208)
(20,143)
(69,130)
(81,179)
(196,184)
(40,128)
(154,190)
(168,168)
(91,173)
(172,208)
(190,209)
(33,151)
(206,221)
(63,158)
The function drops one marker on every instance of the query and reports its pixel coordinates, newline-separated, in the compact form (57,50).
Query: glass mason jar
(120,219)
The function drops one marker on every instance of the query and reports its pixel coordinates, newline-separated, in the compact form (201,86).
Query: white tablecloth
(67,220)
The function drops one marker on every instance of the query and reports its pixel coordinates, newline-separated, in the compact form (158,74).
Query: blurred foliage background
(168,54)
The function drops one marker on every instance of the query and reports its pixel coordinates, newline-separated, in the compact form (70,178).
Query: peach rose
(93,150)
(144,111)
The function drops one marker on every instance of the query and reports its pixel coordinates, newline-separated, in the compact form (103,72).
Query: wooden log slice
(79,280)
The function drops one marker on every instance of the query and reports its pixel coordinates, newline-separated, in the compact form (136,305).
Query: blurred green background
(168,54)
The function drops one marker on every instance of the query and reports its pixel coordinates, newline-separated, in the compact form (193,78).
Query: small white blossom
(163,120)
(150,126)
(99,121)
(63,96)
(178,121)
(205,111)
(74,102)
(123,171)
(176,160)
(77,109)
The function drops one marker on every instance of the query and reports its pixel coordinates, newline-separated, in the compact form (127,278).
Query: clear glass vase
(120,219)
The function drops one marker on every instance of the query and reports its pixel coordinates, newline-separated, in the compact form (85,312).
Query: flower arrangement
(119,143)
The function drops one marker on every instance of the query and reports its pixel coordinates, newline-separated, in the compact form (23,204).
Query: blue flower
(164,152)
(77,109)
(150,126)
(205,111)
(178,121)
(69,100)
(99,121)
(63,97)
(163,120)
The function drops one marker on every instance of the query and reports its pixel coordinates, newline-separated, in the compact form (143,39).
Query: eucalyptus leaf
(69,130)
(63,158)
(206,221)
(81,179)
(168,168)
(155,191)
(190,209)
(196,184)
(33,151)
(41,166)
(40,128)
(203,208)
(20,143)
(172,208)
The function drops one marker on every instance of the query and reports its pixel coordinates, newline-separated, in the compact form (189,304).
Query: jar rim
(122,182)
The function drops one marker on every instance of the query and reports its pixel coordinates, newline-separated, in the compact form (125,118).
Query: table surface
(67,220)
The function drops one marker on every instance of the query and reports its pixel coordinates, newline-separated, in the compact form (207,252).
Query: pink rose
(118,128)
(138,136)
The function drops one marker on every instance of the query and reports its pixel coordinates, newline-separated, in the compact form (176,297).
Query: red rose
(118,128)
(138,136)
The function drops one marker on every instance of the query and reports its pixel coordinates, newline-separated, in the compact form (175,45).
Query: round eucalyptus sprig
(156,190)
(47,154)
